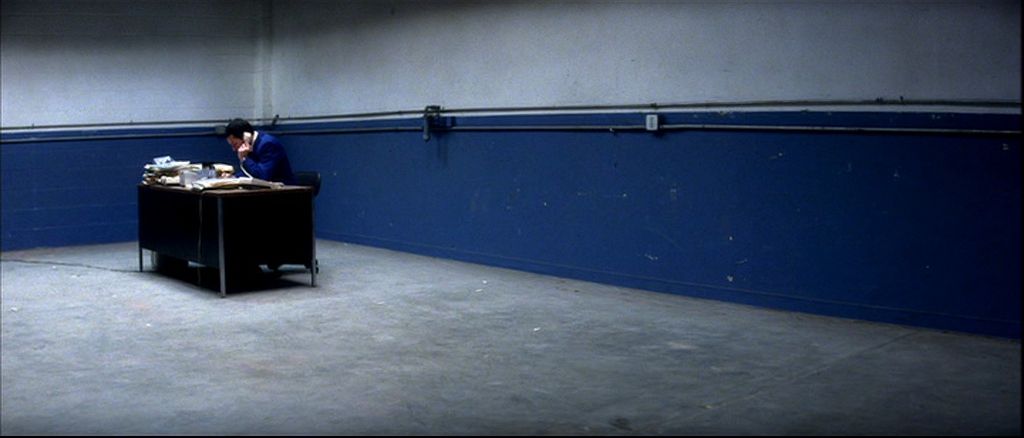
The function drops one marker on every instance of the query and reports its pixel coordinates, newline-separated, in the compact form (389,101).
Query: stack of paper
(234,183)
(167,171)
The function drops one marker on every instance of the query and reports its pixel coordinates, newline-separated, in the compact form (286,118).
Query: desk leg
(220,245)
(223,283)
(312,229)
(140,258)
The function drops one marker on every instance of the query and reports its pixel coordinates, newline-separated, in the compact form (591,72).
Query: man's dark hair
(237,128)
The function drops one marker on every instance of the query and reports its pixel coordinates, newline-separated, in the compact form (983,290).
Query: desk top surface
(228,192)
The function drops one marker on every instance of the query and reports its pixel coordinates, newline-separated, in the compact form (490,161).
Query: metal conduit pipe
(105,137)
(705,127)
(670,127)
(740,104)
(111,125)
(840,129)
(609,128)
(664,106)
(556,109)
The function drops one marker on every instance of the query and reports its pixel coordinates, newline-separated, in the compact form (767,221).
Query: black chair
(308,179)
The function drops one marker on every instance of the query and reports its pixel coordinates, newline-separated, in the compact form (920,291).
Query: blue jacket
(268,161)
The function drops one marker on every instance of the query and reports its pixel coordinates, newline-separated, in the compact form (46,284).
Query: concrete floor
(394,343)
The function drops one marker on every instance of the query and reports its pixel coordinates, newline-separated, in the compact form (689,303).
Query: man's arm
(269,159)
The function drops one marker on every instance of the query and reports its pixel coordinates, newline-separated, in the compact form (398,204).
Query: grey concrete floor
(394,343)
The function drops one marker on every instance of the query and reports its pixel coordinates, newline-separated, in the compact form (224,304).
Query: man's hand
(243,151)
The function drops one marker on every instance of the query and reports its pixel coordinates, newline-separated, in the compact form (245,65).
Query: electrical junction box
(652,122)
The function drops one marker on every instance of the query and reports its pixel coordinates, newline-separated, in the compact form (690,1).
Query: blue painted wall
(910,228)
(915,229)
(58,193)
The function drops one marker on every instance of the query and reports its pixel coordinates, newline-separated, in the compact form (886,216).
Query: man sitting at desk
(260,154)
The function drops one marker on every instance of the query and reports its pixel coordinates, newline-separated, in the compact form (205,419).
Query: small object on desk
(188,177)
(169,180)
(224,170)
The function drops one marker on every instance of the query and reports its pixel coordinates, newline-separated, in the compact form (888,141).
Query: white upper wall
(69,62)
(364,56)
(79,61)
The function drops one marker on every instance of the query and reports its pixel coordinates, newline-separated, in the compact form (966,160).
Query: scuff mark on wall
(667,238)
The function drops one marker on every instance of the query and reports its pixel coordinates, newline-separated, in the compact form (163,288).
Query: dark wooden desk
(233,231)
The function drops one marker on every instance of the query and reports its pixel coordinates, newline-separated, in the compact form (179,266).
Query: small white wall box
(652,122)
